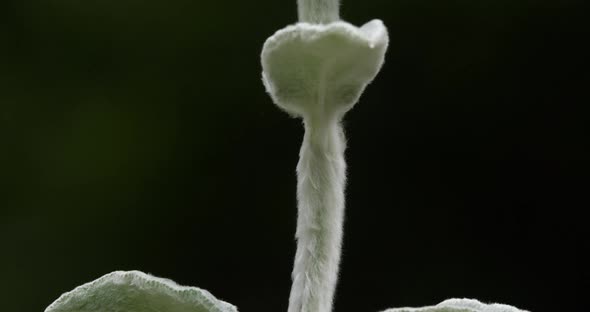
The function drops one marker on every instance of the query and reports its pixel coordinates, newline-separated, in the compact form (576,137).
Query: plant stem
(321,175)
(318,11)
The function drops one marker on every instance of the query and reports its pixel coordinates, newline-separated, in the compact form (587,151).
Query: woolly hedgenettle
(316,70)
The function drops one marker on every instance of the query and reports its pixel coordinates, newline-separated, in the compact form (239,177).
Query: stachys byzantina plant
(316,70)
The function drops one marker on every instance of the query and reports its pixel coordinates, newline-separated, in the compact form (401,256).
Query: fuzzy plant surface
(135,291)
(315,69)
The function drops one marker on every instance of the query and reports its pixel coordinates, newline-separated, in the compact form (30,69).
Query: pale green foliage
(317,70)
(460,305)
(135,291)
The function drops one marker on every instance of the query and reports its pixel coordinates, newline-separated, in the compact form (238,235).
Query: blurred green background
(137,135)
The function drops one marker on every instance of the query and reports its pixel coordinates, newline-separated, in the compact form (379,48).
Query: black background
(137,135)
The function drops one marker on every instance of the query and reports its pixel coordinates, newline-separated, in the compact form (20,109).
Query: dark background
(137,135)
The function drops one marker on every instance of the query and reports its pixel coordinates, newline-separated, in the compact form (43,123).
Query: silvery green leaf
(136,291)
(460,305)
(319,69)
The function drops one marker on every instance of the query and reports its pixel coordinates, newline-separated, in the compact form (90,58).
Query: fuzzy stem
(321,175)
(318,11)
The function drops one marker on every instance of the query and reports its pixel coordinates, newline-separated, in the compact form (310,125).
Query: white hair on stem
(318,11)
(321,174)
(317,70)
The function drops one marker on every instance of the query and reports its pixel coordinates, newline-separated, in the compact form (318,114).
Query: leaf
(322,68)
(460,305)
(135,291)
